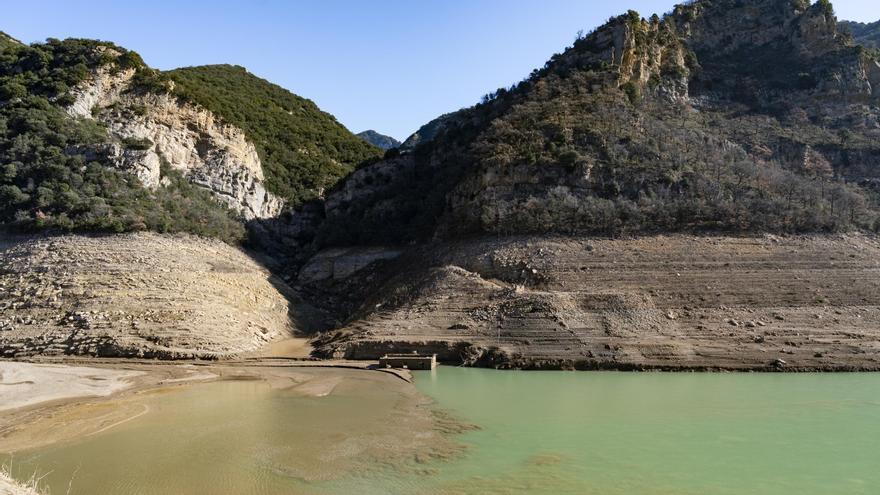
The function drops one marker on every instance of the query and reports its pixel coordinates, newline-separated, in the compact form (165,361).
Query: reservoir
(538,432)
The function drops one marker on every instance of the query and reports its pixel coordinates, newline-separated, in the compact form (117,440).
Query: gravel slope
(139,295)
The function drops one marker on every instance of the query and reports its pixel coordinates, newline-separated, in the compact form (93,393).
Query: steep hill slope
(379,140)
(738,116)
(303,149)
(92,139)
(745,118)
(138,295)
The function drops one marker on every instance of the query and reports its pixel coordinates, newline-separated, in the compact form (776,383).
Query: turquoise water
(619,433)
(540,432)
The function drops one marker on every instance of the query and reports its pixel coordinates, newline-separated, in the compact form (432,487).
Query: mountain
(427,132)
(696,121)
(303,149)
(379,140)
(723,119)
(92,139)
(866,34)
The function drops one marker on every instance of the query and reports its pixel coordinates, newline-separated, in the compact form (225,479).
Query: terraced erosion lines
(138,295)
(655,302)
(663,302)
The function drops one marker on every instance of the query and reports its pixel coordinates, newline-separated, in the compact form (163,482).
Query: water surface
(652,433)
(541,432)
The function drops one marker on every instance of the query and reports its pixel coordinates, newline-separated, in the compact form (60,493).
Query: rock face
(152,128)
(781,46)
(140,295)
(668,302)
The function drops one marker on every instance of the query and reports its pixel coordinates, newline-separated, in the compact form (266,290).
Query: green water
(618,433)
(547,432)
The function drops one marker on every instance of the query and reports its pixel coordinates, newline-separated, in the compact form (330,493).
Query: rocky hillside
(93,139)
(303,149)
(139,295)
(747,118)
(737,116)
(865,34)
(379,140)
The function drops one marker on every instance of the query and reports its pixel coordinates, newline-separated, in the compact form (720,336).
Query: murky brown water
(243,436)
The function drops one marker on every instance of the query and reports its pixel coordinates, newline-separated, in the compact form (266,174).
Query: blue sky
(387,65)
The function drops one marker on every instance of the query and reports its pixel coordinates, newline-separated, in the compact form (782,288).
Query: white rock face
(191,139)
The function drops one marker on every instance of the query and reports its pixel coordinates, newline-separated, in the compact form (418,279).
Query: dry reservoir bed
(138,295)
(669,302)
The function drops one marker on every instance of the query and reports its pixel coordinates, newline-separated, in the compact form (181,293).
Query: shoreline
(371,441)
(34,417)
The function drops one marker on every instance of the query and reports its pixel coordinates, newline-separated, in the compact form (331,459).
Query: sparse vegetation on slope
(645,126)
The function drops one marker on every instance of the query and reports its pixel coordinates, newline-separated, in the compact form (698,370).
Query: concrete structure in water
(409,361)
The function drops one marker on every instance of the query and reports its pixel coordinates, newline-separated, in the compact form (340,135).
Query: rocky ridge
(154,128)
(380,140)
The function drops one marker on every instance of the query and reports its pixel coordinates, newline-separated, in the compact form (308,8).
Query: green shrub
(137,144)
(46,185)
(302,148)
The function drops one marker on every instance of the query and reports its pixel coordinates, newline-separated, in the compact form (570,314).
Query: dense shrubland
(45,183)
(303,149)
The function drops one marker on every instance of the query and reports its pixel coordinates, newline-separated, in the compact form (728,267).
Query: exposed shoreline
(104,394)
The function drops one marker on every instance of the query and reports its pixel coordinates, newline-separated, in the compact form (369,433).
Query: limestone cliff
(151,128)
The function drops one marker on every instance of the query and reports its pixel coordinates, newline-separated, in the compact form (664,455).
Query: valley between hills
(647,200)
(698,191)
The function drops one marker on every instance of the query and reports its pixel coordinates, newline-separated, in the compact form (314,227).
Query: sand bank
(26,384)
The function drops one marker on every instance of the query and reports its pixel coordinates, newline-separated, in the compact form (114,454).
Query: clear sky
(386,65)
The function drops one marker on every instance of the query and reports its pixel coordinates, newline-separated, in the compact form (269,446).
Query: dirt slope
(792,303)
(140,295)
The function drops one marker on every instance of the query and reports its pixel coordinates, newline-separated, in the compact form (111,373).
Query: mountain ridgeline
(379,140)
(865,34)
(92,139)
(723,115)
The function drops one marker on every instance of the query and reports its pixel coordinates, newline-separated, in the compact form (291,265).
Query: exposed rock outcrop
(153,128)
